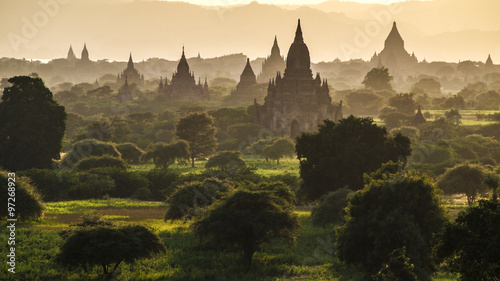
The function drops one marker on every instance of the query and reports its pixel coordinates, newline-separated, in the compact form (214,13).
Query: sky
(279,2)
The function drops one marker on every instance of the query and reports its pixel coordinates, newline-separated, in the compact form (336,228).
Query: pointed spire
(489,61)
(298,34)
(85,53)
(394,39)
(71,54)
(183,66)
(161,83)
(130,63)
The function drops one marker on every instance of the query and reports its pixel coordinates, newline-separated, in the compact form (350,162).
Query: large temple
(394,56)
(272,64)
(296,102)
(131,74)
(247,80)
(183,85)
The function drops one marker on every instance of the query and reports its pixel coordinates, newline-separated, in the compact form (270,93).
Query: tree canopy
(465,179)
(378,79)
(340,153)
(32,125)
(199,131)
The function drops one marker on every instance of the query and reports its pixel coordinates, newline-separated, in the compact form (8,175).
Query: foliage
(247,219)
(91,184)
(108,247)
(395,119)
(32,125)
(339,154)
(364,102)
(453,116)
(378,79)
(28,202)
(492,181)
(130,152)
(465,179)
(409,131)
(199,131)
(226,159)
(471,244)
(331,208)
(126,182)
(161,183)
(247,133)
(398,268)
(404,103)
(103,161)
(278,188)
(430,85)
(53,185)
(164,155)
(87,148)
(392,211)
(227,116)
(281,147)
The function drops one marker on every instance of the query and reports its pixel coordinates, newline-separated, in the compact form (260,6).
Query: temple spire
(130,63)
(298,34)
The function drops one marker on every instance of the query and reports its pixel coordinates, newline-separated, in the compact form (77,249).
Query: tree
(430,85)
(199,131)
(28,201)
(339,154)
(465,179)
(453,116)
(492,181)
(108,247)
(404,103)
(229,159)
(130,152)
(395,209)
(103,161)
(164,155)
(32,125)
(331,209)
(364,102)
(398,268)
(280,148)
(471,244)
(227,116)
(87,148)
(246,220)
(378,79)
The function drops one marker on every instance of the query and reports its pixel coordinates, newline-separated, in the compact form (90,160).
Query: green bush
(143,194)
(92,185)
(277,188)
(87,148)
(331,208)
(53,185)
(104,161)
(188,198)
(130,152)
(28,202)
(126,182)
(229,159)
(161,183)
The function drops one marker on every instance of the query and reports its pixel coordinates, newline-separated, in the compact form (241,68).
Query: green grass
(471,112)
(81,206)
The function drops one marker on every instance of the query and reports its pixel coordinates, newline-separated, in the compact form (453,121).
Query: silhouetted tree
(378,79)
(164,155)
(32,125)
(338,154)
(465,179)
(403,103)
(280,148)
(199,131)
(229,159)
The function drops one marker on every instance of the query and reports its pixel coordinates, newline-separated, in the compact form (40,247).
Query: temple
(394,56)
(85,54)
(183,85)
(296,102)
(418,119)
(247,80)
(272,64)
(130,73)
(71,55)
(124,94)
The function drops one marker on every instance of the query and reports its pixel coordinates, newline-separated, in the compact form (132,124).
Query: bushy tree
(378,79)
(164,155)
(281,147)
(246,220)
(130,152)
(471,244)
(397,269)
(331,208)
(339,154)
(87,148)
(404,103)
(108,247)
(28,202)
(394,210)
(104,161)
(199,131)
(364,101)
(226,159)
(465,179)
(32,125)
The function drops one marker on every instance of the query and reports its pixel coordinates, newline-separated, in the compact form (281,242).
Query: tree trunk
(192,162)
(277,161)
(248,258)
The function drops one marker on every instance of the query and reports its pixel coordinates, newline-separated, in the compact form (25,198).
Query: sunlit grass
(81,206)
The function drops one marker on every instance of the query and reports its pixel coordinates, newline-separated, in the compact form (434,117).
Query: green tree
(404,103)
(199,131)
(378,79)
(465,179)
(32,125)
(339,154)
(364,101)
(430,85)
(130,152)
(492,181)
(28,201)
(103,161)
(453,116)
(164,155)
(246,220)
(229,159)
(108,247)
(399,268)
(331,209)
(281,147)
(394,210)
(87,148)
(471,244)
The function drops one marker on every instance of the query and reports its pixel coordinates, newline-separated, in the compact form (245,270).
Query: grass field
(311,258)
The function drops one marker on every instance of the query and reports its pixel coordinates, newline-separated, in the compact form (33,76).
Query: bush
(143,194)
(87,148)
(161,183)
(106,247)
(104,161)
(130,152)
(229,159)
(92,185)
(465,179)
(53,185)
(331,208)
(277,188)
(126,182)
(192,196)
(28,204)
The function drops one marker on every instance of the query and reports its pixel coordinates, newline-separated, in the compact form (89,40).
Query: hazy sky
(278,2)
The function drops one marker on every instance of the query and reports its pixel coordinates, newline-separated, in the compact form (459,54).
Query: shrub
(28,204)
(227,159)
(277,188)
(194,195)
(53,185)
(331,208)
(143,194)
(86,148)
(161,183)
(465,179)
(108,247)
(130,152)
(92,185)
(126,182)
(104,161)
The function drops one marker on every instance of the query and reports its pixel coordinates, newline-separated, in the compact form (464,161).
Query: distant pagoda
(394,56)
(85,54)
(131,74)
(272,64)
(418,119)
(296,102)
(124,94)
(247,80)
(183,85)
(71,55)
